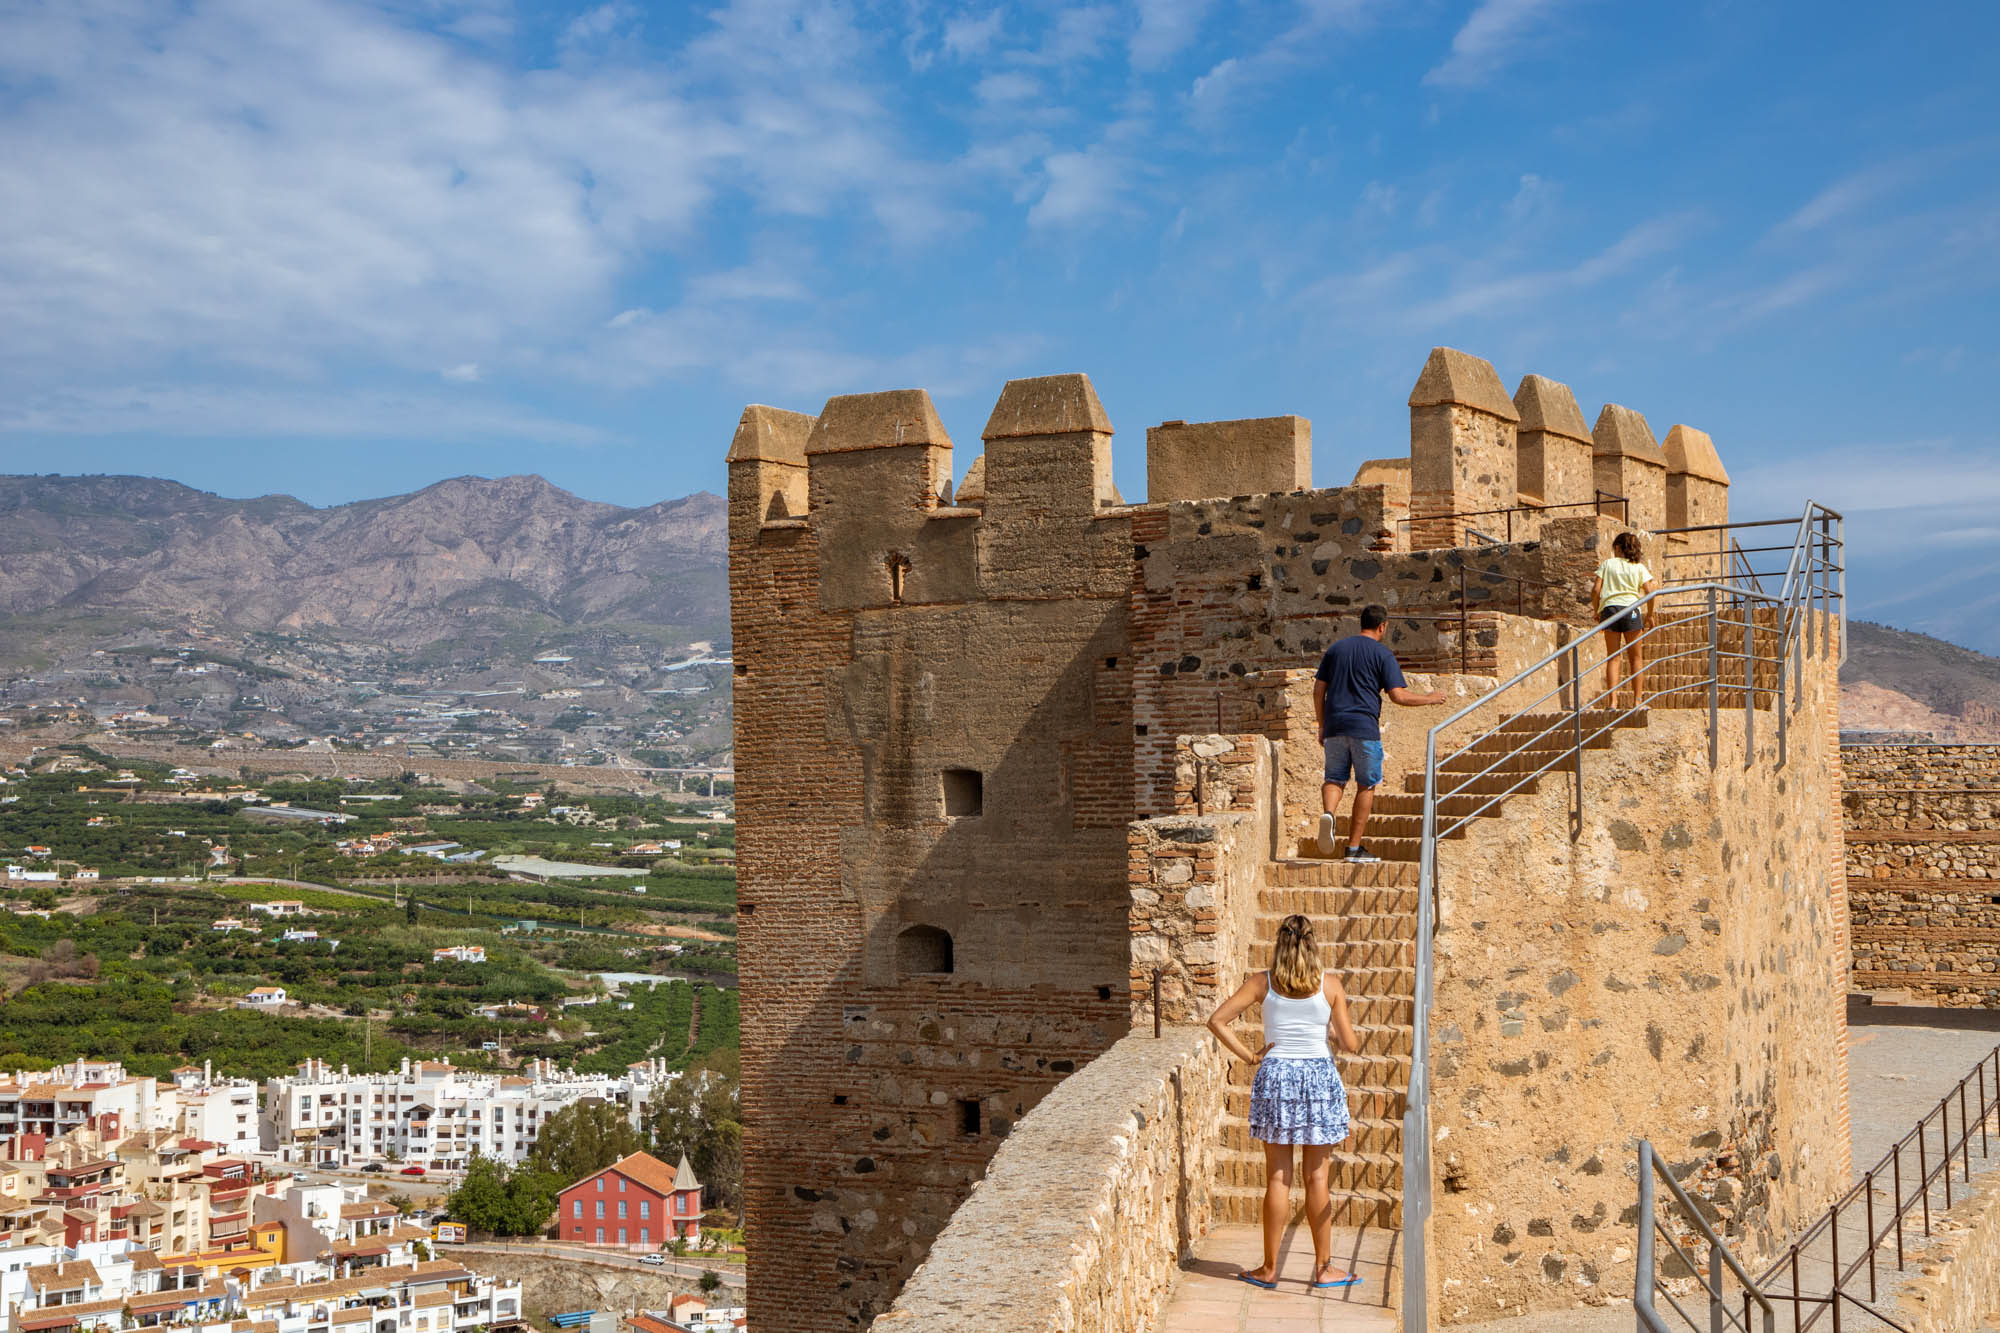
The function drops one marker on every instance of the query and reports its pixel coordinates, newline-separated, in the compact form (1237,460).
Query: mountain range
(471,563)
(100,556)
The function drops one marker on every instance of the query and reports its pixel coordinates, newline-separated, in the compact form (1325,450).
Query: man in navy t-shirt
(1347,698)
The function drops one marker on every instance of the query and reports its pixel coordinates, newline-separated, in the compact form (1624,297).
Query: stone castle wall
(951,710)
(1675,973)
(1923,872)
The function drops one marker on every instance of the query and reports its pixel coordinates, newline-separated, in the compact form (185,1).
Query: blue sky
(342,249)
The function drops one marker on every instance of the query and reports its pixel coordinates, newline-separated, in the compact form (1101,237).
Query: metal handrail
(1595,505)
(1646,1281)
(1808,587)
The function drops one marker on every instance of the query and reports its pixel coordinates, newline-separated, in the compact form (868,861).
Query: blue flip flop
(1349,1281)
(1256,1282)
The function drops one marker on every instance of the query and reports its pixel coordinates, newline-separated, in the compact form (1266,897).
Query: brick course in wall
(1922,831)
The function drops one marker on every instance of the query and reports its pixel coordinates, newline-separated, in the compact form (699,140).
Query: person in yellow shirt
(1621,581)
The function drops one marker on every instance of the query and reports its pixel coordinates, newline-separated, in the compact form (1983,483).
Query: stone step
(1389,849)
(1363,1010)
(1382,826)
(1347,1172)
(1383,1060)
(1351,956)
(1355,1208)
(1314,872)
(1393,803)
(1331,925)
(1367,1100)
(1377,981)
(1315,900)
(1379,1137)
(1495,784)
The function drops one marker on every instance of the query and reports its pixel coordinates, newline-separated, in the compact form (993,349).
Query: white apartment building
(431,1113)
(55,1101)
(222,1111)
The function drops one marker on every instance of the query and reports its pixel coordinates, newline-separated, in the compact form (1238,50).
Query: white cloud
(1497,33)
(464,373)
(966,36)
(181,410)
(283,190)
(1080,188)
(1008,86)
(1166,28)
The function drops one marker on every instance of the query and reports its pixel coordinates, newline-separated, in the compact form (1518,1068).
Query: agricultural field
(153,960)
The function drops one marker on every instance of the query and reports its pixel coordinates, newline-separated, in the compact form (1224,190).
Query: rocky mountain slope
(1899,680)
(470,556)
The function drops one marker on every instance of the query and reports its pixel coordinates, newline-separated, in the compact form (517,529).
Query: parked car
(413,1171)
(652,1260)
(374,1166)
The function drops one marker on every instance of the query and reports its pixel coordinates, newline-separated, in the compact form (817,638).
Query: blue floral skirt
(1298,1101)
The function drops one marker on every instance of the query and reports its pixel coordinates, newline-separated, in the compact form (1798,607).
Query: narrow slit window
(968,1117)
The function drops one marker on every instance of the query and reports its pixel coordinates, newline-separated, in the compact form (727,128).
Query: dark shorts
(1350,756)
(1623,618)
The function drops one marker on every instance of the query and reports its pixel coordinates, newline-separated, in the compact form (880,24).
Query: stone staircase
(1366,917)
(1366,920)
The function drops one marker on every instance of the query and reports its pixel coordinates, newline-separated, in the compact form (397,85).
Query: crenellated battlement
(873,474)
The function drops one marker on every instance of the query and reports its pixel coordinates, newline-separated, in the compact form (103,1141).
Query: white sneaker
(1326,832)
(1361,856)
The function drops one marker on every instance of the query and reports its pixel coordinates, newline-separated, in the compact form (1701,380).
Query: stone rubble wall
(1194,878)
(1923,871)
(1676,973)
(1085,1213)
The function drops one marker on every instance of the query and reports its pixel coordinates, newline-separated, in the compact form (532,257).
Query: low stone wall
(1084,1214)
(1956,1278)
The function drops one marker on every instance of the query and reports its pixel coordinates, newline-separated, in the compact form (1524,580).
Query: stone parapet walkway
(1209,1299)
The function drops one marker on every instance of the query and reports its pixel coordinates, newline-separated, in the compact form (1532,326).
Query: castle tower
(934,781)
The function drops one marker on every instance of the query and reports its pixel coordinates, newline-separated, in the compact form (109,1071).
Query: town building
(638,1201)
(460,953)
(266,997)
(431,1113)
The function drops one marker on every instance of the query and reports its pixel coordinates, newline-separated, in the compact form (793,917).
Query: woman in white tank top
(1297,1098)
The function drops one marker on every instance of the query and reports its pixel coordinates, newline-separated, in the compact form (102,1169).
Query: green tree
(531,1199)
(481,1200)
(581,1139)
(410,910)
(698,1114)
(711,1281)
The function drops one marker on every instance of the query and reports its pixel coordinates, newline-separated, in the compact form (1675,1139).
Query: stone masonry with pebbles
(982,794)
(1923,872)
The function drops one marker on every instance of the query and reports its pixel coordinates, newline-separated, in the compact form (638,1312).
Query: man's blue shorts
(1350,754)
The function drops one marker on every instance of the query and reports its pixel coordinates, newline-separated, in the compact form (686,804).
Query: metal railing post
(1717,1314)
(1749,694)
(1576,815)
(1642,1282)
(1714,675)
(1782,730)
